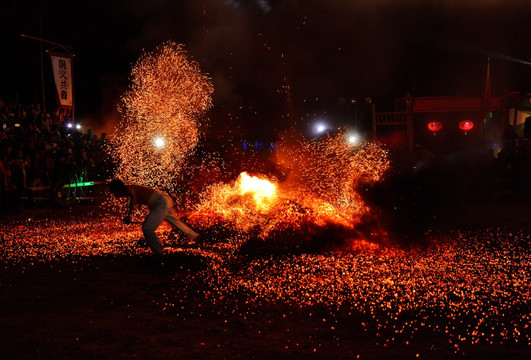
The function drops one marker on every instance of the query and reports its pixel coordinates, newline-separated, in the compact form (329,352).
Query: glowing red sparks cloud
(161,112)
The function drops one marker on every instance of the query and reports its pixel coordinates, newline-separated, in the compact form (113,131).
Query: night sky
(329,51)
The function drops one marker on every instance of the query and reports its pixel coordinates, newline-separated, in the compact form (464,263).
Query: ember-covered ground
(74,285)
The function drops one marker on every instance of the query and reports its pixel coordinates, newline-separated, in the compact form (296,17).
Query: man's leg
(172,219)
(151,223)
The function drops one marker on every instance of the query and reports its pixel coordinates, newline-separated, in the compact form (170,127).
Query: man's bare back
(143,195)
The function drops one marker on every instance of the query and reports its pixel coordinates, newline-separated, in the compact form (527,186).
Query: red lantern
(466,125)
(434,126)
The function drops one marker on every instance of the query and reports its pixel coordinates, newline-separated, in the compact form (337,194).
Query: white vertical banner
(63,76)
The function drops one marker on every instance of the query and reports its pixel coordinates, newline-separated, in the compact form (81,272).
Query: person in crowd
(47,146)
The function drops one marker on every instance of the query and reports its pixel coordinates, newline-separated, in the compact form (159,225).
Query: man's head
(118,188)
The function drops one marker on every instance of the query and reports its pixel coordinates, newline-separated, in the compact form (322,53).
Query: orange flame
(263,190)
(244,204)
(320,189)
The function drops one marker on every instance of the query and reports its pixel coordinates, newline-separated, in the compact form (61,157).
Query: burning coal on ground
(466,289)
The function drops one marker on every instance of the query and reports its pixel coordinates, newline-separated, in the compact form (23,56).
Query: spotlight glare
(320,127)
(353,138)
(159,142)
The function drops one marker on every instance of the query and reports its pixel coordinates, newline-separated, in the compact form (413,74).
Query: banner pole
(42,69)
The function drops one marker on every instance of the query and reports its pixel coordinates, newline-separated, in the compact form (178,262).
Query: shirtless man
(160,209)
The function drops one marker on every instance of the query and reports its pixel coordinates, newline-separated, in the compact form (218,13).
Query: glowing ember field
(464,293)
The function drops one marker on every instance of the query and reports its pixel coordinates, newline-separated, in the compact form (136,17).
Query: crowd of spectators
(40,152)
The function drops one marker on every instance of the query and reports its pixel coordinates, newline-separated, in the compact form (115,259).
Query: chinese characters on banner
(63,76)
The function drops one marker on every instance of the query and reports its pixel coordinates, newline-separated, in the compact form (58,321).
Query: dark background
(330,53)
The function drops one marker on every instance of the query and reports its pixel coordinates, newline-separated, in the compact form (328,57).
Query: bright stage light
(69,125)
(320,127)
(159,142)
(78,126)
(353,138)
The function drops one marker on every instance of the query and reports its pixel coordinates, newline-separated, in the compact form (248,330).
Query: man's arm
(131,206)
